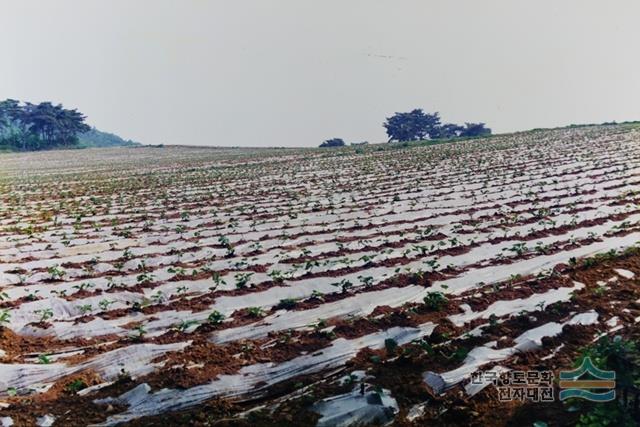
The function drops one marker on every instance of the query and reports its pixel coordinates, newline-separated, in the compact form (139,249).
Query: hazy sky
(295,72)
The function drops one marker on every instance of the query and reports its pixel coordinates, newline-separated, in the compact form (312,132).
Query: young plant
(104,304)
(75,386)
(276,276)
(242,279)
(217,280)
(33,295)
(55,272)
(255,312)
(44,359)
(435,301)
(367,281)
(5,317)
(45,314)
(144,278)
(85,308)
(185,324)
(83,286)
(140,332)
(344,284)
(215,318)
(158,297)
(315,294)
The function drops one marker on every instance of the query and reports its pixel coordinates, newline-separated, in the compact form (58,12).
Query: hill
(96,138)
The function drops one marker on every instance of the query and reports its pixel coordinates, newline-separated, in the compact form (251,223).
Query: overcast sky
(295,72)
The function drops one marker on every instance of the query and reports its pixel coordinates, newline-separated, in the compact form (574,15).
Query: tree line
(417,125)
(28,127)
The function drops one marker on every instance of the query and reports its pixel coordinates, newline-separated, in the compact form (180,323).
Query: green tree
(411,126)
(39,126)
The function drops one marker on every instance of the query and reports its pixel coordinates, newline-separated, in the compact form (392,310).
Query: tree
(333,142)
(10,112)
(411,126)
(12,123)
(417,125)
(475,129)
(447,131)
(39,126)
(54,124)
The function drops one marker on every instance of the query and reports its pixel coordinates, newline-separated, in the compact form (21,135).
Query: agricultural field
(301,287)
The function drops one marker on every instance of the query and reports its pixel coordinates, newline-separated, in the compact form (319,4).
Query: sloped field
(329,286)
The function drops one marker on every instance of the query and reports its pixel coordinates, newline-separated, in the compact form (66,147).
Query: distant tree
(55,125)
(10,111)
(475,129)
(446,131)
(39,126)
(333,142)
(13,125)
(418,125)
(411,126)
